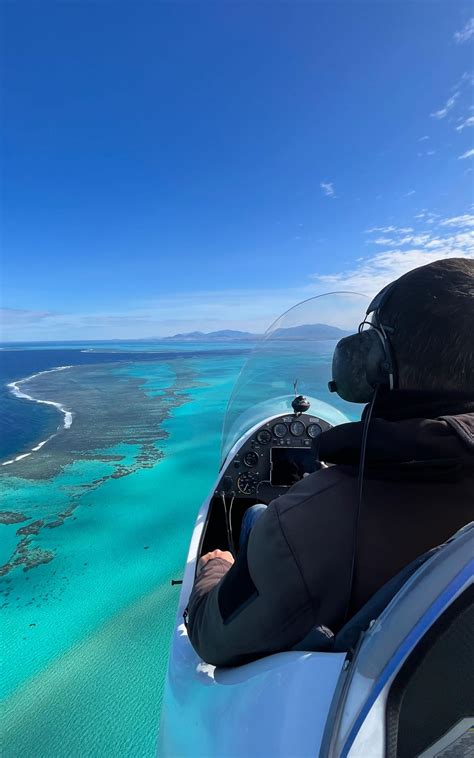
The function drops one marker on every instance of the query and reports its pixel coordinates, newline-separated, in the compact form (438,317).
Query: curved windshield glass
(294,357)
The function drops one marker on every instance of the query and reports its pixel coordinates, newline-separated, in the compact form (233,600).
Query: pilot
(317,554)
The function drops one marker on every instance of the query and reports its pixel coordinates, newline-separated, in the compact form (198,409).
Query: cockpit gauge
(264,437)
(280,430)
(250,459)
(247,482)
(297,428)
(314,430)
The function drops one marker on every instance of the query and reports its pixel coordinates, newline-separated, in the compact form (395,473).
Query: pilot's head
(420,336)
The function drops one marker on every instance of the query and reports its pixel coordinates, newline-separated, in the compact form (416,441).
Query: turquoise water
(87,633)
(134,346)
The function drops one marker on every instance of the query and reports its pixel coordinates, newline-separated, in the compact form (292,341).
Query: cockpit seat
(322,639)
(348,637)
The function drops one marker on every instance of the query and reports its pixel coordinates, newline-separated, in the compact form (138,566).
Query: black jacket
(295,572)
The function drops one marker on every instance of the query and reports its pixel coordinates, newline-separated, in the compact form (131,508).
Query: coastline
(14,388)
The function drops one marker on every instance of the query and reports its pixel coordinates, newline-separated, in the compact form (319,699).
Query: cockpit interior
(271,458)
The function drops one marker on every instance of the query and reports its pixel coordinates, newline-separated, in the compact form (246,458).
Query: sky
(172,166)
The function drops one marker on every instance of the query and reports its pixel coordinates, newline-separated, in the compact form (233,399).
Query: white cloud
(385,229)
(450,103)
(467,77)
(466,220)
(328,188)
(409,193)
(14,316)
(467,154)
(466,32)
(374,273)
(416,239)
(430,218)
(388,229)
(407,251)
(468,122)
(422,139)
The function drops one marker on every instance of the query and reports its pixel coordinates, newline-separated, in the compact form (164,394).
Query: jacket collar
(405,404)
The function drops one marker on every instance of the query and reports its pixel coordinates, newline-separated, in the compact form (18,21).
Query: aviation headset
(365,361)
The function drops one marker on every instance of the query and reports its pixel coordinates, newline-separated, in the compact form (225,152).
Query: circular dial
(314,430)
(297,428)
(247,482)
(264,437)
(280,430)
(250,459)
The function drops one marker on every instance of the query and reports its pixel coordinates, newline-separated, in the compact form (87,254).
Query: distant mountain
(224,335)
(303,332)
(186,336)
(310,332)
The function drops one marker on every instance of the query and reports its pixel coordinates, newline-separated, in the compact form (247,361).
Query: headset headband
(382,297)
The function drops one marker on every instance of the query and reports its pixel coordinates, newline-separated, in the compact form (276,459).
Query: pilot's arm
(256,606)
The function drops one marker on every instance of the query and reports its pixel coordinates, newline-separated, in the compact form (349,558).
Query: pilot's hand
(224,554)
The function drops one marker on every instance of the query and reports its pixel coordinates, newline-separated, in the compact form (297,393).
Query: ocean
(108,450)
(95,523)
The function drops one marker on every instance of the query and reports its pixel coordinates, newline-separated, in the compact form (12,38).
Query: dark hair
(431,311)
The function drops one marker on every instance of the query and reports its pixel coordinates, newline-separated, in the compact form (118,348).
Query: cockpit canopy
(294,357)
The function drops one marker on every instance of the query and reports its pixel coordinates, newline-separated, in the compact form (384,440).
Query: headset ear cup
(356,365)
(349,369)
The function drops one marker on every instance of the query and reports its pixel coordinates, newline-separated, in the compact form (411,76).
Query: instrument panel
(275,457)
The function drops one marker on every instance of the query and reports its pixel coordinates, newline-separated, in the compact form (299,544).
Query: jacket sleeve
(257,606)
(207,579)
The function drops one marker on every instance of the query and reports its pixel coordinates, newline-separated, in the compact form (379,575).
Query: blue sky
(172,166)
